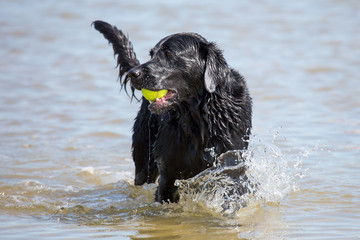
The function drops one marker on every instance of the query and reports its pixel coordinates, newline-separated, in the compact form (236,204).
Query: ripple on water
(228,190)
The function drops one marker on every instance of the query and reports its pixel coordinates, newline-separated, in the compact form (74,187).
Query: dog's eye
(168,53)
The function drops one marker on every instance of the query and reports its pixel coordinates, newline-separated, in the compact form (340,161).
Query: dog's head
(186,65)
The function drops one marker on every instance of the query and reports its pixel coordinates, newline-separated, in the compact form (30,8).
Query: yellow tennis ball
(162,93)
(152,95)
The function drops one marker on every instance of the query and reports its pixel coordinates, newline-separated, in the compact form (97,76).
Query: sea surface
(66,170)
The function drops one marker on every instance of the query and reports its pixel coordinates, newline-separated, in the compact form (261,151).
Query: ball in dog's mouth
(153,96)
(160,103)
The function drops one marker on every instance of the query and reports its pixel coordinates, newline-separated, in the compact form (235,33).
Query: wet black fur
(211,110)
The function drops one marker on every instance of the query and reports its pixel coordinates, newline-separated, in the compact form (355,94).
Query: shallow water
(65,136)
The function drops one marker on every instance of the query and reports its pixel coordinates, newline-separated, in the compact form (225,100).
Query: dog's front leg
(167,191)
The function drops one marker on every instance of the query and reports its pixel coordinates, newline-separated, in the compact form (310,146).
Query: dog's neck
(213,115)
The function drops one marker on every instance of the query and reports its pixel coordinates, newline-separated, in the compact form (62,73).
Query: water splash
(260,175)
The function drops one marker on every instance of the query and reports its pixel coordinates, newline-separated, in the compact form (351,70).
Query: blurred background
(65,126)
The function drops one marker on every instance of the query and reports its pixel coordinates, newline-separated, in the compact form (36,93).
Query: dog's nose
(134,73)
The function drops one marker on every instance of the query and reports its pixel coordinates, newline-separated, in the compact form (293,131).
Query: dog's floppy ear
(216,68)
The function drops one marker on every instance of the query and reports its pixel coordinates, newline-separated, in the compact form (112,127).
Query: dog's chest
(178,145)
(174,133)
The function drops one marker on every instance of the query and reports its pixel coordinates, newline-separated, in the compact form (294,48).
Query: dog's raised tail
(126,57)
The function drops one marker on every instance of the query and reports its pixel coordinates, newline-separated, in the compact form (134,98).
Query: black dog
(206,112)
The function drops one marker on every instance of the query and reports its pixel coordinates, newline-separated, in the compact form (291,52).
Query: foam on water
(103,175)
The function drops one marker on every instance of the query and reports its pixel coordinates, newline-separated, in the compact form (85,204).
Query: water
(65,127)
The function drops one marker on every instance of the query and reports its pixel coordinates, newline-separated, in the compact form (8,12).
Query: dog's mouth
(164,103)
